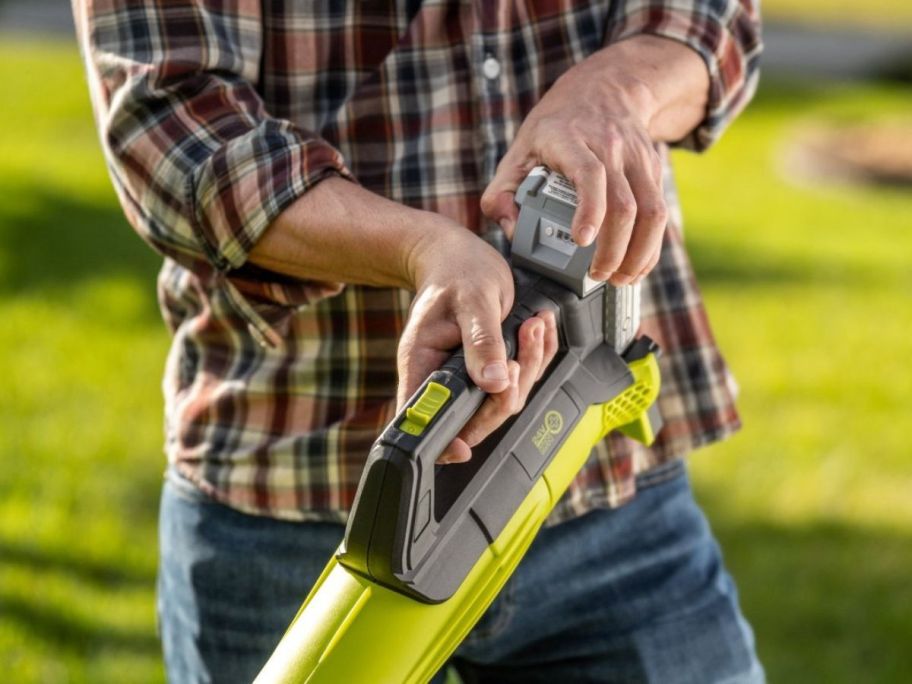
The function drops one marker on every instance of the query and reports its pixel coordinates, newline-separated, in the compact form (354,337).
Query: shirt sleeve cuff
(728,43)
(240,190)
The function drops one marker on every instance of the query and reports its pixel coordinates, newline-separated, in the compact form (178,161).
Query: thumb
(501,209)
(497,202)
(485,355)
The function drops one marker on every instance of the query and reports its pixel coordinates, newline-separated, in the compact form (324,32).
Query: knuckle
(608,259)
(588,172)
(483,339)
(487,201)
(652,212)
(473,434)
(651,263)
(633,264)
(548,132)
(605,264)
(549,357)
(500,410)
(550,336)
(624,208)
(612,138)
(656,258)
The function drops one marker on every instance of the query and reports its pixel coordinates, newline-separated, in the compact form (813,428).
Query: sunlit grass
(80,429)
(895,15)
(809,289)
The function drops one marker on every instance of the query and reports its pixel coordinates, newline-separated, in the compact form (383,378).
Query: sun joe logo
(548,431)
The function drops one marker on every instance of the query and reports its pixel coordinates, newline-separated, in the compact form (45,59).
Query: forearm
(340,232)
(662,82)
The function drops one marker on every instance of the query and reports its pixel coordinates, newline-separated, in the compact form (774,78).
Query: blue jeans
(636,594)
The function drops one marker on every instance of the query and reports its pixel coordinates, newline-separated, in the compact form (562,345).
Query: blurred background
(800,225)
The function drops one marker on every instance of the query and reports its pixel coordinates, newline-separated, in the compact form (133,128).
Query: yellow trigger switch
(419,415)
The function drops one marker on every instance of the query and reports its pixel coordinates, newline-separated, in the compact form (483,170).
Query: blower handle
(450,392)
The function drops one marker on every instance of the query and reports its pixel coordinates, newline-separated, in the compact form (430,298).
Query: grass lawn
(809,289)
(895,15)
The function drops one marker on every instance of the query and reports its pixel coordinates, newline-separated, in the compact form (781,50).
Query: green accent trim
(420,414)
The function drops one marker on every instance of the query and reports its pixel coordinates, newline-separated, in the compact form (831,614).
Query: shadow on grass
(828,602)
(64,631)
(80,567)
(50,242)
(57,624)
(727,264)
(718,263)
(781,93)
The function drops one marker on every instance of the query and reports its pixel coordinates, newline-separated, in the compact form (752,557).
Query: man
(317,176)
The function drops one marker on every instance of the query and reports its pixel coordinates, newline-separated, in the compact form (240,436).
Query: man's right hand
(464,290)
(341,232)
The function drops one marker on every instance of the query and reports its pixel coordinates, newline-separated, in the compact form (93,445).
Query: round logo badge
(554,422)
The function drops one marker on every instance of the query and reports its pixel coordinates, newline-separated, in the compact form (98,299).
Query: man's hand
(464,291)
(343,233)
(596,126)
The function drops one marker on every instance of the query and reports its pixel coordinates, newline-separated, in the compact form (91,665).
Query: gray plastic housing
(419,528)
(542,243)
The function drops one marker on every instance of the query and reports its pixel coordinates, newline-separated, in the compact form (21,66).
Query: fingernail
(506,225)
(495,371)
(587,235)
(600,275)
(537,332)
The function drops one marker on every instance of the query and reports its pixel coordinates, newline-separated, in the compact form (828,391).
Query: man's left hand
(595,126)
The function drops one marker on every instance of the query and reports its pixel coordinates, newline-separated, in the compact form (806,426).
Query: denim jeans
(636,594)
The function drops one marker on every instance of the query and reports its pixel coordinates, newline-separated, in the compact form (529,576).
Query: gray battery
(544,244)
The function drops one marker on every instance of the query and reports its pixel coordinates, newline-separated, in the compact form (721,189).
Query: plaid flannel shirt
(215,115)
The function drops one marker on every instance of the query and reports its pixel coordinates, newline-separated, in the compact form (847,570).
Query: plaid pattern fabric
(215,115)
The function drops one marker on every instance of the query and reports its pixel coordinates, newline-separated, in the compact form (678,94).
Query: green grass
(81,350)
(895,15)
(809,289)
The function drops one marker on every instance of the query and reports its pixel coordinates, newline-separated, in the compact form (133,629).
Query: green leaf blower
(428,547)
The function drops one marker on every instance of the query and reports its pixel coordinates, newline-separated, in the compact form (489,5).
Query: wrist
(663,83)
(427,238)
(622,89)
(448,255)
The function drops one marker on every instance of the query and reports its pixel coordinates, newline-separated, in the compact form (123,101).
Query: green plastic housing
(352,629)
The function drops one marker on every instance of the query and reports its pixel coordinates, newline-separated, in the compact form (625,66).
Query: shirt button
(490,68)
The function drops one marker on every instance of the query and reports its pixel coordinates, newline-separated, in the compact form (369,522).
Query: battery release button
(420,414)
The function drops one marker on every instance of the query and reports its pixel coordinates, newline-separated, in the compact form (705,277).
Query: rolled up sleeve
(725,33)
(201,167)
